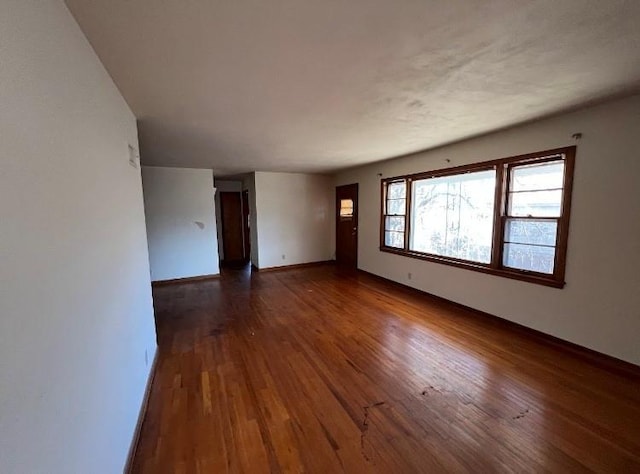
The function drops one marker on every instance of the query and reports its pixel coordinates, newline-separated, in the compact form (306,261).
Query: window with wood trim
(508,217)
(394,214)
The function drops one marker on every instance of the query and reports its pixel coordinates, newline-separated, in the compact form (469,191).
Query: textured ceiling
(318,85)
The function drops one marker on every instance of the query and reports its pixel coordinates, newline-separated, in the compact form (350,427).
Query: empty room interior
(319,236)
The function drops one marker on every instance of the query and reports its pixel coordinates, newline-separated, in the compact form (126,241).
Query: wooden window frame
(385,214)
(503,168)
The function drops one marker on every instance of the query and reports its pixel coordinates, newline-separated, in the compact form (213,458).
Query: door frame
(355,186)
(246,227)
(225,241)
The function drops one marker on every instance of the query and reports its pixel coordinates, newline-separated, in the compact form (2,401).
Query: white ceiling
(318,85)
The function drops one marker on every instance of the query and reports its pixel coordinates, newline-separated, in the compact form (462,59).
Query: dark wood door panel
(231,217)
(347,225)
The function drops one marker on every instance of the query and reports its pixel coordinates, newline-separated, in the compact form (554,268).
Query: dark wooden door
(231,217)
(245,225)
(347,225)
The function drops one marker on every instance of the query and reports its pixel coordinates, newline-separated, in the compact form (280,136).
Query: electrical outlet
(409,275)
(283,256)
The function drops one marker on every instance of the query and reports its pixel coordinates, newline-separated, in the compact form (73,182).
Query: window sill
(479,267)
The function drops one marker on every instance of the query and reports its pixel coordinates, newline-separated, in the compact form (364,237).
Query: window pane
(529,231)
(396,206)
(534,177)
(529,257)
(394,223)
(453,215)
(394,239)
(346,207)
(535,204)
(397,190)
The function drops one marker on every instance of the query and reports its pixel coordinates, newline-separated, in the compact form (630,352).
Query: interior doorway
(347,225)
(233,228)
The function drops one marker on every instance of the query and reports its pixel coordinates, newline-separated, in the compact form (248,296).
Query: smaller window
(346,208)
(395,212)
(533,216)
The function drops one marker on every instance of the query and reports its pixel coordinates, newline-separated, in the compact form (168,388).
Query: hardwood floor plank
(322,370)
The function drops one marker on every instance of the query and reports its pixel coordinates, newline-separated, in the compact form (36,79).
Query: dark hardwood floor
(318,370)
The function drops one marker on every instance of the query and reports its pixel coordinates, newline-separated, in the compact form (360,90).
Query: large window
(508,217)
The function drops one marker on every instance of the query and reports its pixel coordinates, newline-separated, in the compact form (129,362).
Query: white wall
(181,222)
(600,306)
(76,314)
(223,186)
(294,218)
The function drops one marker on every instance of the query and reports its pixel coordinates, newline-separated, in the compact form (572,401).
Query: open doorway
(232,228)
(234,241)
